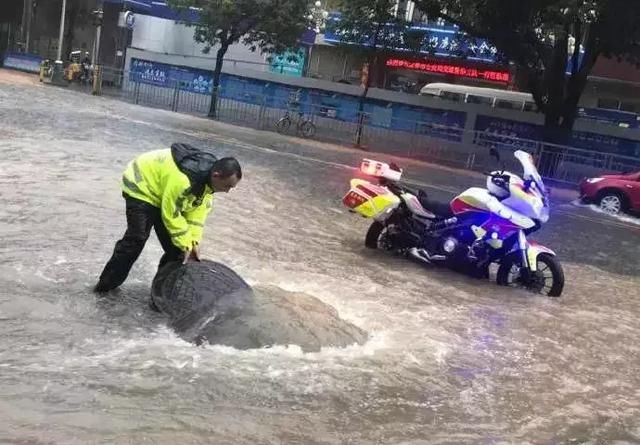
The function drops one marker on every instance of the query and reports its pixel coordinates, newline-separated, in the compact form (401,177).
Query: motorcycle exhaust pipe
(424,256)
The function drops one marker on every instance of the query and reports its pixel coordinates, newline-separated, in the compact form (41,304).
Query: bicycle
(304,126)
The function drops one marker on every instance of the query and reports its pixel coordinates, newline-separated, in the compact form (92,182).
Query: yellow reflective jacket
(154,177)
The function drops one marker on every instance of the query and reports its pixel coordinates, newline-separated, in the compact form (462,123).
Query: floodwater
(450,360)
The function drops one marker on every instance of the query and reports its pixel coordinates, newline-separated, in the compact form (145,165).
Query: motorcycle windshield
(530,171)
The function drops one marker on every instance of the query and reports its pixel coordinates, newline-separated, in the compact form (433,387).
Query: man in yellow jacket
(172,191)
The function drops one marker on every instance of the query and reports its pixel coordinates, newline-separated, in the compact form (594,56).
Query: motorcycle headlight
(594,180)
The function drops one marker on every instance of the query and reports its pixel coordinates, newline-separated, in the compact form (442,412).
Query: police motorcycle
(479,227)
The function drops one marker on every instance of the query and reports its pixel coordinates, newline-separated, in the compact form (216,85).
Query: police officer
(172,191)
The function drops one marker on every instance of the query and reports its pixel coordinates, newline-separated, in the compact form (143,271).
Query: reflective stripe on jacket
(154,177)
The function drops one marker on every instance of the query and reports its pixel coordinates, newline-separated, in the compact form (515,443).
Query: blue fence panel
(615,117)
(23,62)
(438,123)
(604,143)
(492,130)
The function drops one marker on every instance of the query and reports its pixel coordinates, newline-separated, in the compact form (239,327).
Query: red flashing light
(474,73)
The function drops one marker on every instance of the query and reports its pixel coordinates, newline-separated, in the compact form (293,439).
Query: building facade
(613,84)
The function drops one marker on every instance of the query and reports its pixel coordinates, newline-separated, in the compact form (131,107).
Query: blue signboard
(142,6)
(157,8)
(440,40)
(168,76)
(289,63)
(22,62)
(149,72)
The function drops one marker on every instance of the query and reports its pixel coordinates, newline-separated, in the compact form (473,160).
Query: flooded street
(450,360)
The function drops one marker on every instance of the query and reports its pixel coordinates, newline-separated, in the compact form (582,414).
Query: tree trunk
(371,61)
(213,108)
(564,97)
(554,134)
(575,87)
(555,79)
(578,80)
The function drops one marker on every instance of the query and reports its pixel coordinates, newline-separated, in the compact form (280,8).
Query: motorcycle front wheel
(378,237)
(547,280)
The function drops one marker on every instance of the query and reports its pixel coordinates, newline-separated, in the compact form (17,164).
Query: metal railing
(426,141)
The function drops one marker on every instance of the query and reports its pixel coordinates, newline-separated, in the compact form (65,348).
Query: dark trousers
(141,217)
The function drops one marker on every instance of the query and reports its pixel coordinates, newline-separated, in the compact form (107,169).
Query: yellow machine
(74,69)
(45,70)
(372,200)
(369,200)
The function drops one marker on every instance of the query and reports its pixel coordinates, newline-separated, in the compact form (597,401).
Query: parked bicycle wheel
(307,129)
(282,126)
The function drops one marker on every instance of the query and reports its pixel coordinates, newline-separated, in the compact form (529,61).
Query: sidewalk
(18,77)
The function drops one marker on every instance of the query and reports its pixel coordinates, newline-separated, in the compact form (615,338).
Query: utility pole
(57,76)
(98,15)
(32,5)
(61,38)
(23,27)
(25,31)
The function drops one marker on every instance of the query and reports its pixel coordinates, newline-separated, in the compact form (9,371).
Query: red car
(613,193)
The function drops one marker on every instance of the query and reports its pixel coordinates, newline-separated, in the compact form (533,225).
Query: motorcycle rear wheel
(373,235)
(548,279)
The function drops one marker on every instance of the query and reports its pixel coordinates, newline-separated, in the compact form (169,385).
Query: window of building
(611,104)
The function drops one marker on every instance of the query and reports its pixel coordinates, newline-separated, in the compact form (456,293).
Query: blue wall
(342,107)
(440,123)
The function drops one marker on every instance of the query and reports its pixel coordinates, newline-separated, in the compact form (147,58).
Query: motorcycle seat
(441,209)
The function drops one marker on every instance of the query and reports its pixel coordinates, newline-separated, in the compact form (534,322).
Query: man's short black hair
(226,167)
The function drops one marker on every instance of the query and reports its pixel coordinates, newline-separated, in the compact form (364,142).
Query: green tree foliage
(270,26)
(377,26)
(554,44)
